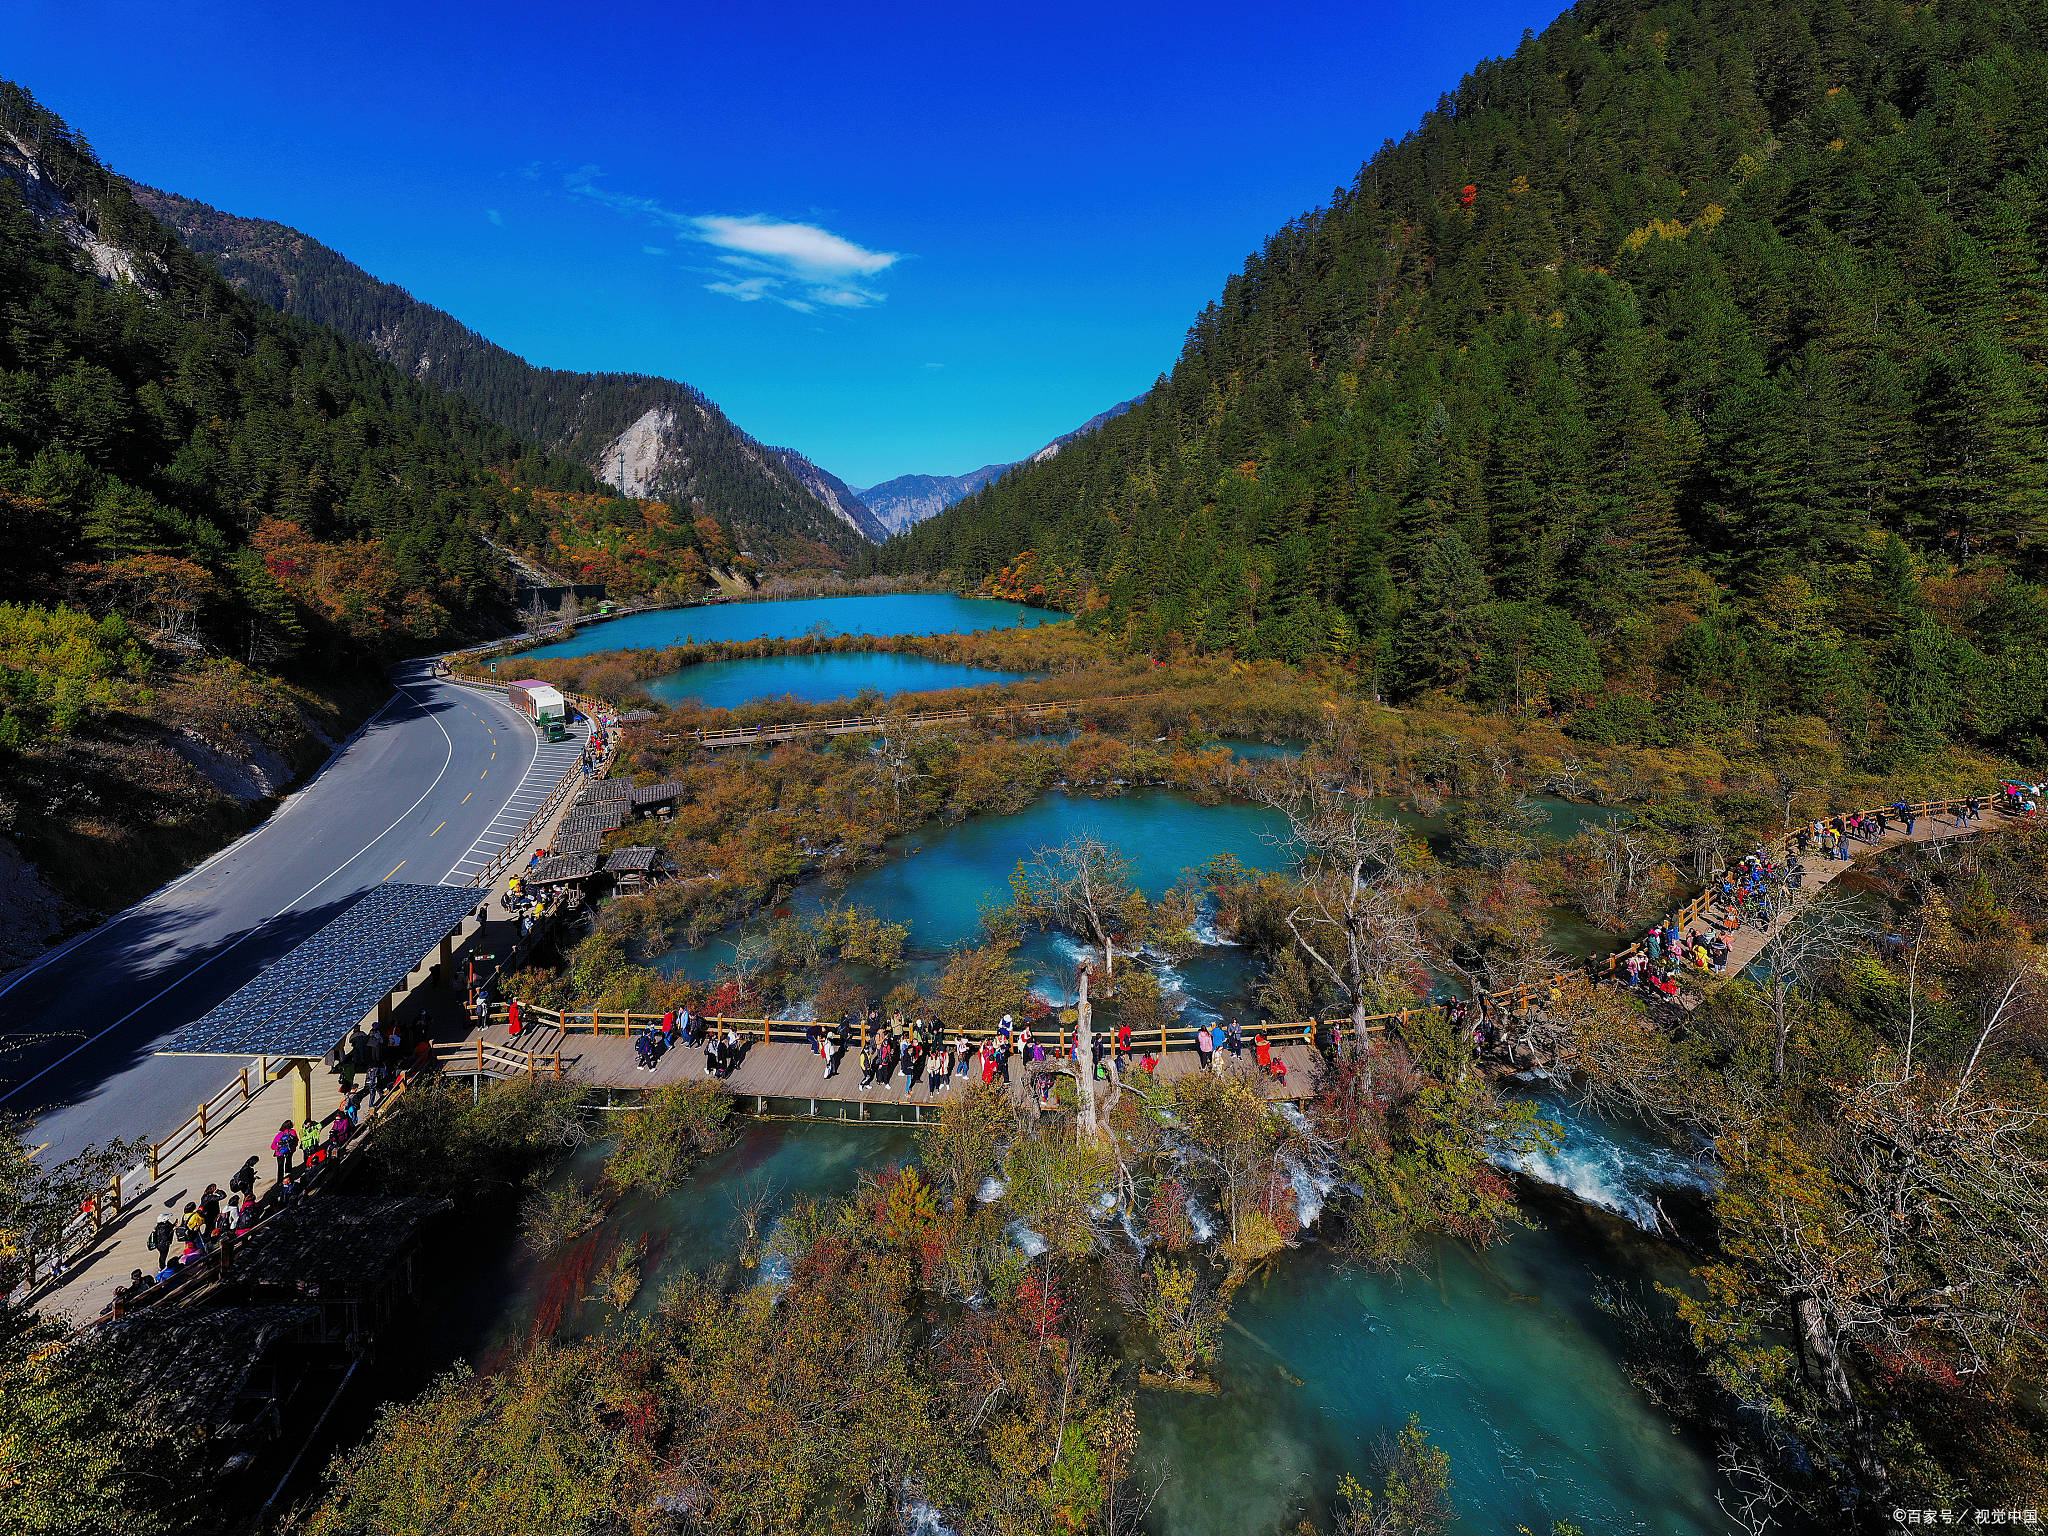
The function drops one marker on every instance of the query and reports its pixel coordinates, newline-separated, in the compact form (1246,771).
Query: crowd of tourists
(723,1050)
(208,1228)
(929,1056)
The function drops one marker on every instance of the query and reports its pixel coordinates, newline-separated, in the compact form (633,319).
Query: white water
(1614,1167)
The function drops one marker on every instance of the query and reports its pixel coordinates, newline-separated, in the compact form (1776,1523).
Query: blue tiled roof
(323,987)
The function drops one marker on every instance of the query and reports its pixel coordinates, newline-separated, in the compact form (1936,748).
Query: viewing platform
(783,1075)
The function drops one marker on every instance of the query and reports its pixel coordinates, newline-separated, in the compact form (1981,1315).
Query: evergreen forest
(1681,372)
(184,470)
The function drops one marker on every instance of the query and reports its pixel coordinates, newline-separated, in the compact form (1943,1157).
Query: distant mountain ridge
(647,436)
(835,493)
(908,500)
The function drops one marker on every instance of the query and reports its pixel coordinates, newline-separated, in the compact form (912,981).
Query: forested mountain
(907,500)
(835,493)
(1692,360)
(648,437)
(158,426)
(215,521)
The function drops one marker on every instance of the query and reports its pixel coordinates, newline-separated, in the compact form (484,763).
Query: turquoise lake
(815,679)
(1502,1354)
(940,879)
(905,613)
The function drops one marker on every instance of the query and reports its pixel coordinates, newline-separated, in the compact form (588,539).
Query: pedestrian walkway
(783,1071)
(123,1244)
(1747,942)
(244,1127)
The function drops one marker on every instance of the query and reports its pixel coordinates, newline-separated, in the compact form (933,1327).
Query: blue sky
(898,238)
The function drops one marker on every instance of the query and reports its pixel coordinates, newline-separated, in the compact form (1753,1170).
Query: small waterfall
(1203,1223)
(775,1268)
(1205,930)
(920,1519)
(991,1191)
(1614,1166)
(1028,1242)
(1310,1189)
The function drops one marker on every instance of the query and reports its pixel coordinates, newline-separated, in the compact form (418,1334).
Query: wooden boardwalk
(1748,941)
(792,1072)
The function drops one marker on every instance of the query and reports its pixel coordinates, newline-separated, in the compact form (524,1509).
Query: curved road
(429,787)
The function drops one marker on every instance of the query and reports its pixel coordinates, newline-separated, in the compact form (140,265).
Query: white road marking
(280,912)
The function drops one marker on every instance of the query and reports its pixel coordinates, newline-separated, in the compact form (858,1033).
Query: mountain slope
(649,437)
(216,522)
(835,493)
(909,499)
(1695,355)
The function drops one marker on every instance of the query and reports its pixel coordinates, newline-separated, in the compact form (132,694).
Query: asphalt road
(424,793)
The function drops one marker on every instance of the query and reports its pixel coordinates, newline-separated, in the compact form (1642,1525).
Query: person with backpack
(284,1146)
(164,1233)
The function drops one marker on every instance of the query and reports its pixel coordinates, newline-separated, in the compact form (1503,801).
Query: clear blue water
(1502,1354)
(815,679)
(908,613)
(1262,751)
(689,1228)
(939,880)
(1511,1368)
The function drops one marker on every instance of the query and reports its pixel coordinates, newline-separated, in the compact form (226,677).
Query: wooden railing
(191,1276)
(492,1059)
(1048,1031)
(127,1185)
(1694,910)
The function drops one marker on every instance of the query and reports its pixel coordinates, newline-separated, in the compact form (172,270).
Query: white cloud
(655,250)
(803,266)
(801,247)
(495,217)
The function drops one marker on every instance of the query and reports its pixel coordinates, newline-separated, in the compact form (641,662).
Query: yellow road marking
(394,869)
(465,798)
(443,824)
(484,775)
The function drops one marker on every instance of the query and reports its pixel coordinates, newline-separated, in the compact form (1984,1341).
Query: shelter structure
(217,1378)
(602,818)
(302,1005)
(631,868)
(561,869)
(648,797)
(574,843)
